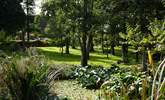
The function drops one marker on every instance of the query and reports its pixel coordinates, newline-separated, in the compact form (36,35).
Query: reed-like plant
(27,78)
(156,88)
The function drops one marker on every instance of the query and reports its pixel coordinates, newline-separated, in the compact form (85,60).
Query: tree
(115,16)
(80,15)
(157,28)
(135,12)
(12,16)
(144,11)
(59,18)
(28,6)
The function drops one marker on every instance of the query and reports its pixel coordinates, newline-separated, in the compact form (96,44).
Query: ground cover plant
(92,77)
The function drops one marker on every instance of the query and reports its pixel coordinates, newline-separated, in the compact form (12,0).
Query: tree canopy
(12,15)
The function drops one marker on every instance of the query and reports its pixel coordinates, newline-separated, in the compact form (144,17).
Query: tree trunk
(144,60)
(23,37)
(85,37)
(112,48)
(62,49)
(102,42)
(84,55)
(23,40)
(137,56)
(73,43)
(27,21)
(28,36)
(88,46)
(91,45)
(107,51)
(73,47)
(67,42)
(124,53)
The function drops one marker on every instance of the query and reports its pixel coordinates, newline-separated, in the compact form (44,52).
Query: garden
(82,50)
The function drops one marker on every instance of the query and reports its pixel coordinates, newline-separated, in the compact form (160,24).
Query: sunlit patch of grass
(96,58)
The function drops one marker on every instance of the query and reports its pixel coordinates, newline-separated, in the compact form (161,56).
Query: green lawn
(96,58)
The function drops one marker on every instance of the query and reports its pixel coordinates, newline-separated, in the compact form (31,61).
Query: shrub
(92,77)
(127,85)
(26,78)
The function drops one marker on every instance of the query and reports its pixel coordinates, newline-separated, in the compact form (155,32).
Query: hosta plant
(92,77)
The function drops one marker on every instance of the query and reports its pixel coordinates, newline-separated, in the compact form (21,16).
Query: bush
(130,85)
(127,85)
(25,78)
(92,77)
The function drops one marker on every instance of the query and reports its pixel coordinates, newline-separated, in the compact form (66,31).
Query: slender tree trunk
(27,21)
(144,30)
(28,36)
(84,55)
(73,43)
(107,51)
(92,45)
(67,42)
(144,60)
(102,42)
(73,39)
(89,40)
(124,53)
(62,49)
(23,40)
(112,48)
(23,37)
(137,55)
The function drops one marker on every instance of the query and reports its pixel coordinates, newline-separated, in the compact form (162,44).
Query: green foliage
(127,85)
(12,16)
(2,37)
(26,78)
(92,77)
(157,28)
(65,71)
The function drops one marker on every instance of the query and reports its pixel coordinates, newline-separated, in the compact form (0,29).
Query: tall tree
(28,6)
(12,16)
(141,12)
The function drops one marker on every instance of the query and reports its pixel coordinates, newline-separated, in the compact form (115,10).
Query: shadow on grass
(53,55)
(95,57)
(57,56)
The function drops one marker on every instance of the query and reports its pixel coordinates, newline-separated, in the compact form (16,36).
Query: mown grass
(96,58)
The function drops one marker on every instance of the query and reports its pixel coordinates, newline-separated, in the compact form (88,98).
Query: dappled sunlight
(82,49)
(54,55)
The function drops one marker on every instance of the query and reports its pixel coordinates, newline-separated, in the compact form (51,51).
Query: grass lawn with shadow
(96,58)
